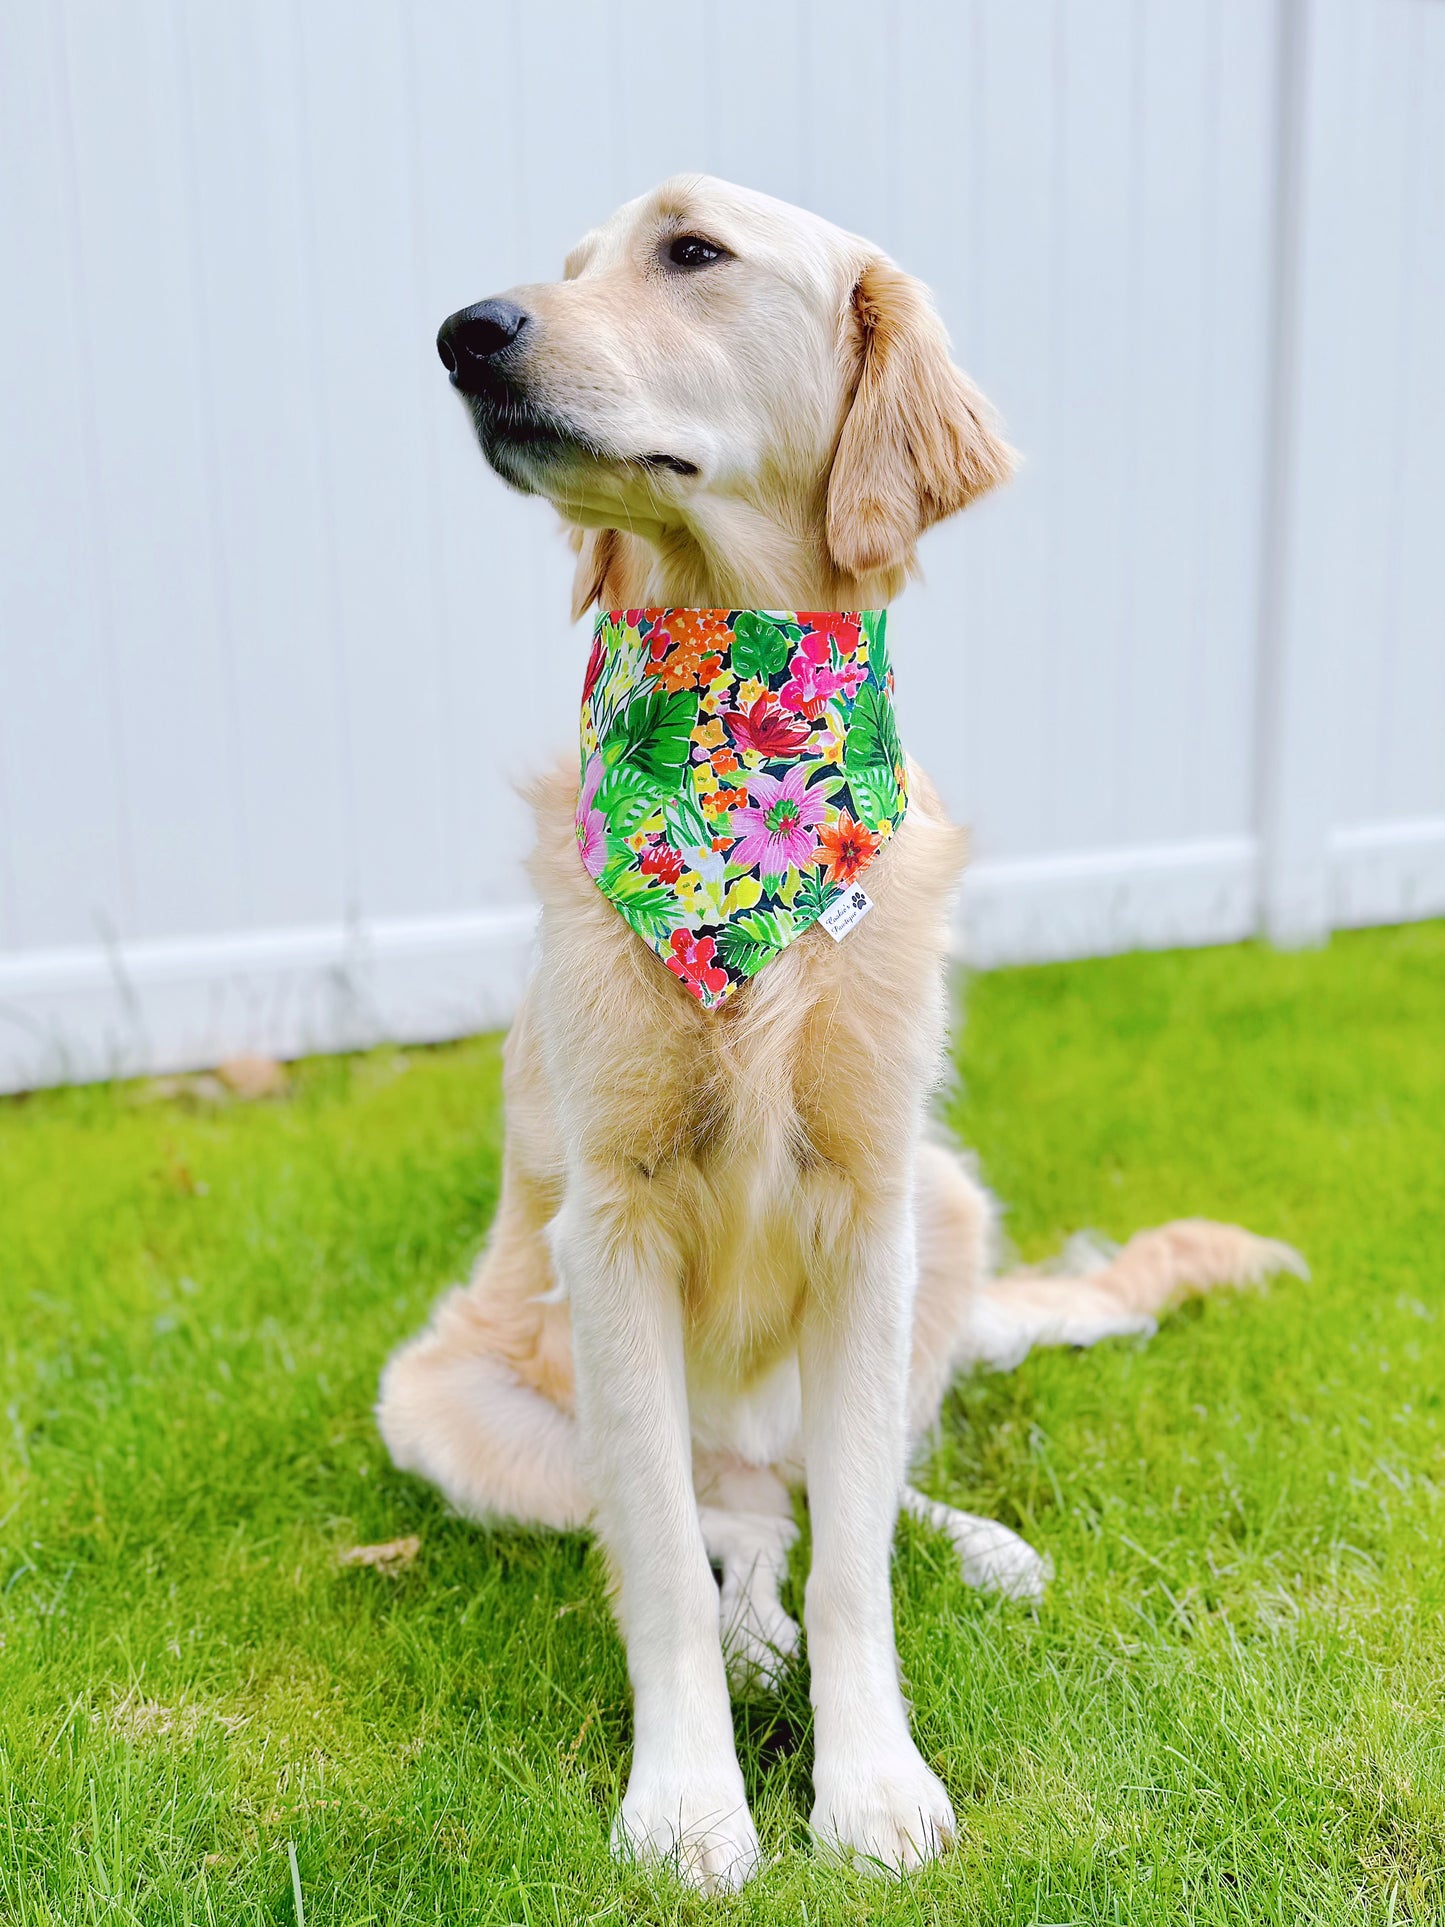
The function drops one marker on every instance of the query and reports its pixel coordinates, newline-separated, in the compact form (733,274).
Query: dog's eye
(691,251)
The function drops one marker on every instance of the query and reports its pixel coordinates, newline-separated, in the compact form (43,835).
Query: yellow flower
(749,691)
(710,735)
(831,745)
(703,777)
(637,840)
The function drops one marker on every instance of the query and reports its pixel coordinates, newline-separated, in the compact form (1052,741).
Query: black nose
(471,341)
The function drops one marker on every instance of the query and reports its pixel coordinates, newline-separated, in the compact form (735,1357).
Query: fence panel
(275,648)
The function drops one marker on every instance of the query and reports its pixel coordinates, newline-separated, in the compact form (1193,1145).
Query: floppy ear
(599,552)
(918,443)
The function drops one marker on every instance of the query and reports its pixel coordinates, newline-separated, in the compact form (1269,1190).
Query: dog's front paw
(888,1813)
(701,1827)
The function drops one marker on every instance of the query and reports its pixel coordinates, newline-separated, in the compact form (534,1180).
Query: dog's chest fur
(752,1137)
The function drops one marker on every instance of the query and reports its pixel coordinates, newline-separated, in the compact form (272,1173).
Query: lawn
(1230,1706)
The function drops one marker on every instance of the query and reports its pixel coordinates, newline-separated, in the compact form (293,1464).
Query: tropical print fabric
(740,769)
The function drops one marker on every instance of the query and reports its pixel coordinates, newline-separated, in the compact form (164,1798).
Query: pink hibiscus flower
(812,682)
(591,824)
(779,828)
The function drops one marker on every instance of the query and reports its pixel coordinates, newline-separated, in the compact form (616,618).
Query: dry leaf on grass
(253,1077)
(393,1557)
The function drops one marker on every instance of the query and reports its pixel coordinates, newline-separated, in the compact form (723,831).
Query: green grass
(1230,1707)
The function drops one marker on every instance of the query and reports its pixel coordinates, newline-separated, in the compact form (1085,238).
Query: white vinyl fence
(274,646)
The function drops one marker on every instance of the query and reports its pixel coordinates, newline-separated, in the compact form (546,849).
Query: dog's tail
(1102,1294)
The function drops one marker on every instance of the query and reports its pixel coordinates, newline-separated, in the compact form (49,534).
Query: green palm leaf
(649,907)
(814,896)
(752,941)
(875,634)
(655,733)
(872,732)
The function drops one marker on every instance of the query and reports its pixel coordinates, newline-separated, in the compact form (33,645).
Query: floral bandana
(740,769)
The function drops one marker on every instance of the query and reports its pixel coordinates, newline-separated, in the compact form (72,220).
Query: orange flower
(679,655)
(677,671)
(847,847)
(723,761)
(697,627)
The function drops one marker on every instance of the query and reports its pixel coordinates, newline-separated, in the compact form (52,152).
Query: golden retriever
(729,1258)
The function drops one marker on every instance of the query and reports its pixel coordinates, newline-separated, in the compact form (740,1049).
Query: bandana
(741,768)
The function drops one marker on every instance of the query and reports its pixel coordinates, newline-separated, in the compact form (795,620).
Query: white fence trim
(1047,909)
(73,1016)
(1388,872)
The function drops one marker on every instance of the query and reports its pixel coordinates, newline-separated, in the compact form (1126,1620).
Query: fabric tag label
(850,909)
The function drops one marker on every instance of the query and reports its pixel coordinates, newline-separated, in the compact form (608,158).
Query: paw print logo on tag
(850,909)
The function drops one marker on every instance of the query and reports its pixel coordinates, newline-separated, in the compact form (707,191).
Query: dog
(731,1259)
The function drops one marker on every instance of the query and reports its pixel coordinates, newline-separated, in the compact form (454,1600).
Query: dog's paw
(992,1557)
(699,1827)
(759,1642)
(886,1814)
(997,1560)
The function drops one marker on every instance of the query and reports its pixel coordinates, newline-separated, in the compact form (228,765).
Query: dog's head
(717,364)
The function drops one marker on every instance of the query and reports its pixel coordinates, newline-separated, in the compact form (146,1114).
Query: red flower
(692,962)
(661,860)
(766,729)
(841,629)
(594,669)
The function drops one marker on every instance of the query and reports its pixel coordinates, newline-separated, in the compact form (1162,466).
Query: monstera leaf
(872,732)
(753,941)
(654,732)
(876,795)
(761,647)
(627,796)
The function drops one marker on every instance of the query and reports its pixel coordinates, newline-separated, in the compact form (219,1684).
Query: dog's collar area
(740,770)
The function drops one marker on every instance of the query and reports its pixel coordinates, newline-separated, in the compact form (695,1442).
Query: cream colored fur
(729,1258)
